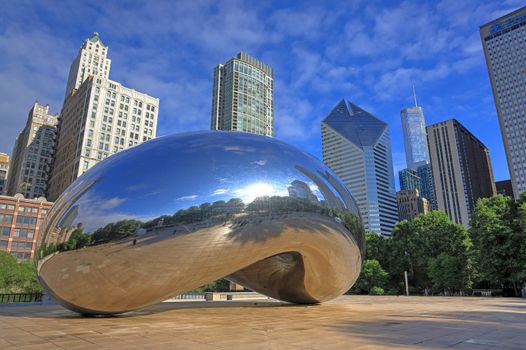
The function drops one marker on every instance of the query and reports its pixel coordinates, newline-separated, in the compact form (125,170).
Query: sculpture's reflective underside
(177,212)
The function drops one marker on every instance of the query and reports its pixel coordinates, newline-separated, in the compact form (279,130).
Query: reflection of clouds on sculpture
(91,212)
(201,206)
(258,189)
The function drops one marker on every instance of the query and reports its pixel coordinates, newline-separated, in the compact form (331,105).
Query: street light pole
(406,284)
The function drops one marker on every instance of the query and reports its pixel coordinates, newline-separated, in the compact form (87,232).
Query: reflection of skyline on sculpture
(139,188)
(195,208)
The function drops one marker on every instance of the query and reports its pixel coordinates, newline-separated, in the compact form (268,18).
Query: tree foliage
(17,277)
(419,247)
(372,279)
(498,232)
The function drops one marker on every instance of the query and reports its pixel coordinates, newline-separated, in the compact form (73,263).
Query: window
(7,206)
(21,245)
(6,218)
(23,233)
(4,231)
(26,220)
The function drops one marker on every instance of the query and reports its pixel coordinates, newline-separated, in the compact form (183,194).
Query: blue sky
(369,52)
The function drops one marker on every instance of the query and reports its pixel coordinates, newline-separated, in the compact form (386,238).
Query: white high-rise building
(504,42)
(243,96)
(357,147)
(32,156)
(99,118)
(92,60)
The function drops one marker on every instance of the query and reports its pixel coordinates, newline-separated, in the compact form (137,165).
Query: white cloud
(185,198)
(219,191)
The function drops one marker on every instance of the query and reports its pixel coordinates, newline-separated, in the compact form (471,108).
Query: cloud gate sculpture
(177,212)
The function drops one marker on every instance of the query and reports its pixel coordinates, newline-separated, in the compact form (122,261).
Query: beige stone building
(20,223)
(100,117)
(92,60)
(32,156)
(4,171)
(411,204)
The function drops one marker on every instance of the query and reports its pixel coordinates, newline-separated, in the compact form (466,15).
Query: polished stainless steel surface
(180,211)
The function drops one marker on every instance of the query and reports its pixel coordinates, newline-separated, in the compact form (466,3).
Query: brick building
(20,223)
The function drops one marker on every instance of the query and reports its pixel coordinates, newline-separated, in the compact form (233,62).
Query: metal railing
(20,297)
(189,296)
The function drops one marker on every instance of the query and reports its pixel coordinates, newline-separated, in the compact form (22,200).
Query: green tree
(114,231)
(221,285)
(416,243)
(447,273)
(373,276)
(17,277)
(498,232)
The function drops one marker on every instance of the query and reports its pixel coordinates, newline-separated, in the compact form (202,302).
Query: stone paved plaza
(349,322)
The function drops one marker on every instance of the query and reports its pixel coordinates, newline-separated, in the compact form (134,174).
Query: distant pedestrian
(134,241)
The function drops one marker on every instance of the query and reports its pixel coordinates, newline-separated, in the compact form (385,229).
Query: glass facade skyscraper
(357,147)
(415,139)
(504,42)
(409,180)
(420,179)
(427,185)
(418,175)
(243,96)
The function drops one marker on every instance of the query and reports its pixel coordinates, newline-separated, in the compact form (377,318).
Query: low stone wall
(211,296)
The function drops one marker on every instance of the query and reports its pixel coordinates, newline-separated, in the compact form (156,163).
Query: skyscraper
(4,171)
(462,170)
(243,96)
(504,42)
(32,156)
(100,117)
(409,179)
(92,60)
(357,147)
(415,139)
(427,184)
(418,174)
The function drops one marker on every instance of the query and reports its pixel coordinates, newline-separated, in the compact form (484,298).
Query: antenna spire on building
(414,96)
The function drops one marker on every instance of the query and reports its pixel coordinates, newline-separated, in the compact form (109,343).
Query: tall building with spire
(100,117)
(357,147)
(504,43)
(415,138)
(32,157)
(418,175)
(243,96)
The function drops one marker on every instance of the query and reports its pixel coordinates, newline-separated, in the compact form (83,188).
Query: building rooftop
(355,124)
(96,39)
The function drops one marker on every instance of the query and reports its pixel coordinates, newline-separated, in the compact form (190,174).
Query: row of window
(26,220)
